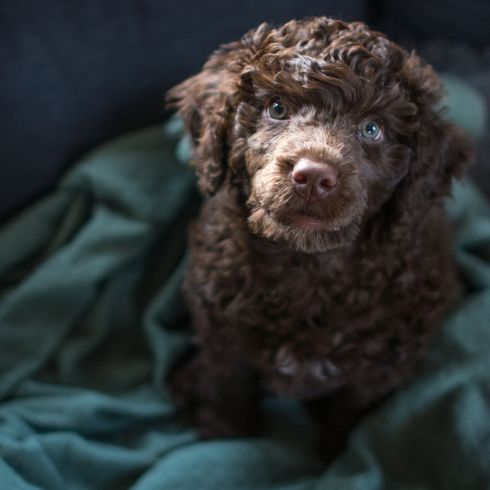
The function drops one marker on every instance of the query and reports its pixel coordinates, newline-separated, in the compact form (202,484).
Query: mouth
(307,221)
(310,222)
(303,231)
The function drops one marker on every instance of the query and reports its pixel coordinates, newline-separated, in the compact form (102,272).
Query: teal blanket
(91,319)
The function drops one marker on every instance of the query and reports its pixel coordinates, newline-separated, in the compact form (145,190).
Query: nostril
(300,177)
(328,178)
(328,182)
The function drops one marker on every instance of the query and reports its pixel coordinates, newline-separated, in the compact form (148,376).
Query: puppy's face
(320,123)
(324,153)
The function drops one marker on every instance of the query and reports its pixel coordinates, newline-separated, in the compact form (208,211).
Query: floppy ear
(441,150)
(203,103)
(421,81)
(442,153)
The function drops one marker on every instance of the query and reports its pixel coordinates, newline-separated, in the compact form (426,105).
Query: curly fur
(336,311)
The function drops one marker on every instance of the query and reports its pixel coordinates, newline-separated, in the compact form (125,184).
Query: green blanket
(91,318)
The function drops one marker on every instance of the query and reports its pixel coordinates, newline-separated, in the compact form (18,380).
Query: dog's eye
(371,130)
(277,110)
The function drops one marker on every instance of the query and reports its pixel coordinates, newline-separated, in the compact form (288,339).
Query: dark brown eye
(277,110)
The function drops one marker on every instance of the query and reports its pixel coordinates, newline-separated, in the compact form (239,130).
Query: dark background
(76,73)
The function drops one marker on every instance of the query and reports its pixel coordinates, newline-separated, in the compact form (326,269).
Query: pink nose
(312,179)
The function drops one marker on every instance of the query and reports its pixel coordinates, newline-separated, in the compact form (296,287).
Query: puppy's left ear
(442,150)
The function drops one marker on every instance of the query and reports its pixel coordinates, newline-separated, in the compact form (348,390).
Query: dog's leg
(230,398)
(182,382)
(335,416)
(222,393)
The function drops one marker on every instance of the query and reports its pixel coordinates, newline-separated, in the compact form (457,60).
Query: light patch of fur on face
(273,201)
(306,241)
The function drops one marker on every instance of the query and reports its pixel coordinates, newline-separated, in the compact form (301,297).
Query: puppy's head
(322,125)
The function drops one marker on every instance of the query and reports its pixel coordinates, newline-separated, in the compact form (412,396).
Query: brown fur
(338,313)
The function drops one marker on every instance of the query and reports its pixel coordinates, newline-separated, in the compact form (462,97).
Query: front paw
(182,383)
(287,364)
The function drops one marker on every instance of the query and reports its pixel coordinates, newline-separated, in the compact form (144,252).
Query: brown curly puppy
(321,263)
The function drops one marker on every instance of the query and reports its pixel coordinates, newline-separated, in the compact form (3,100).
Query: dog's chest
(296,315)
(310,291)
(295,298)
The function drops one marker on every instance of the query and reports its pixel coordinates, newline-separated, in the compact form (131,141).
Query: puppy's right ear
(203,101)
